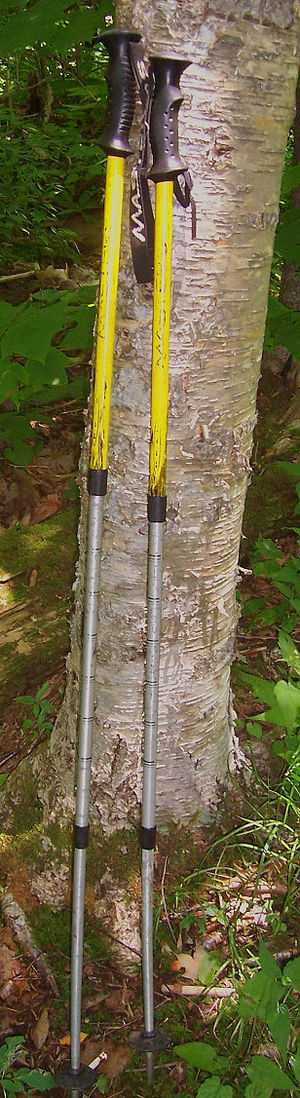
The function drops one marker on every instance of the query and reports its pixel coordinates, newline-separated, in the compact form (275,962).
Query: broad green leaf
(268,963)
(291,973)
(289,650)
(9,1050)
(279,1026)
(259,996)
(30,335)
(81,28)
(262,688)
(10,1086)
(6,314)
(40,1080)
(214,1088)
(266,1073)
(202,1056)
(254,730)
(21,454)
(288,698)
(80,337)
(209,964)
(102,1084)
(257,1090)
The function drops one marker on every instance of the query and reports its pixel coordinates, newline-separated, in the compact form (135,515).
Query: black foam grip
(167,164)
(122,92)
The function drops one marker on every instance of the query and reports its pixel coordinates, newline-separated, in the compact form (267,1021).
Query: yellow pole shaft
(161,338)
(106,322)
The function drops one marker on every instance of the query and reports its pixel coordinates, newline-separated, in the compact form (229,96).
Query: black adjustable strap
(141,213)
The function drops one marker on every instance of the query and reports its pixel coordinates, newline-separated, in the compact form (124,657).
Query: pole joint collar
(148,838)
(97,482)
(157,508)
(150,1042)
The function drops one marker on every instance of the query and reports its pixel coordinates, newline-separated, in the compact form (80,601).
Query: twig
(21,274)
(15,919)
(163,899)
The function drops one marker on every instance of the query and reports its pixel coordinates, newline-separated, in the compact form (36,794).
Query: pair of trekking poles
(161,125)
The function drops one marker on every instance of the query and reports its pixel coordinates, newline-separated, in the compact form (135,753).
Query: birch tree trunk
(238,105)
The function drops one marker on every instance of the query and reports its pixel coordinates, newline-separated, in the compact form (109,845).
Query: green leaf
(6,314)
(279,1026)
(9,1050)
(288,698)
(80,337)
(259,996)
(265,1073)
(202,1056)
(40,1080)
(289,651)
(31,333)
(254,730)
(209,965)
(10,1087)
(102,1084)
(262,688)
(291,973)
(213,1088)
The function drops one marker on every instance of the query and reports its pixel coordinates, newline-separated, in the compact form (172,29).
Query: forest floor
(241,886)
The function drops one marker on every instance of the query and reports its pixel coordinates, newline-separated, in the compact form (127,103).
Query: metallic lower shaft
(154,583)
(94,542)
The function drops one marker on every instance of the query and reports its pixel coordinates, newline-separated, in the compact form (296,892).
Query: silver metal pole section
(154,584)
(93,562)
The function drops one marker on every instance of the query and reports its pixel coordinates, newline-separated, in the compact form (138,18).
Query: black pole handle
(122,91)
(167,99)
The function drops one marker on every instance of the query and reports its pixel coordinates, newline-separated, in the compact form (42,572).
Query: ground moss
(27,808)
(118,852)
(269,506)
(35,633)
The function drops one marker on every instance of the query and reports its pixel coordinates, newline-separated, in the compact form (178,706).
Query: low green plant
(269,1000)
(14,1080)
(282,699)
(41,344)
(39,722)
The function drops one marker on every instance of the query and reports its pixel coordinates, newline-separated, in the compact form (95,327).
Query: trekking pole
(167,166)
(115,141)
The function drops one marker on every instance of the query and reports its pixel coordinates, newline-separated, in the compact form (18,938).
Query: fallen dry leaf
(93,1001)
(6,938)
(40,1031)
(66,1041)
(188,964)
(46,507)
(11,970)
(117,1060)
(92,1047)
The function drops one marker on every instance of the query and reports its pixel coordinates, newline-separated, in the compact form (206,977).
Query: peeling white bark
(239,99)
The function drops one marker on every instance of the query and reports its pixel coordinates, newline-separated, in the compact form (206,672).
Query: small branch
(21,274)
(15,919)
(164,902)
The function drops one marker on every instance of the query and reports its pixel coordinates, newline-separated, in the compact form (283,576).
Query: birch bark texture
(239,97)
